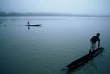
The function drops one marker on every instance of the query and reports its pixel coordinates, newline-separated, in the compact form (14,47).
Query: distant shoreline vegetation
(48,14)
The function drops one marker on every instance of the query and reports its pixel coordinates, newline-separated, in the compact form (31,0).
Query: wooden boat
(83,59)
(34,25)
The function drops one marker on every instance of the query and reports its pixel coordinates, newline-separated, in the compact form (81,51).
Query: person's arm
(98,43)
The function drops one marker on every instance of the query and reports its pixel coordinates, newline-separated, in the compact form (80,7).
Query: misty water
(49,48)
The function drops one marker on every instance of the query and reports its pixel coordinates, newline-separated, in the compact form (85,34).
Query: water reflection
(4,24)
(29,27)
(0,22)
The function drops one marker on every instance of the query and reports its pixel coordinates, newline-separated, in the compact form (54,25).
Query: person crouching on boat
(93,41)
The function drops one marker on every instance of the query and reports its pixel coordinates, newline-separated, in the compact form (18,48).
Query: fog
(57,6)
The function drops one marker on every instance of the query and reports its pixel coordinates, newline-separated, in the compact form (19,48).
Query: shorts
(92,46)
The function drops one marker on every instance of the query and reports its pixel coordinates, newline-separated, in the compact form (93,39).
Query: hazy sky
(59,6)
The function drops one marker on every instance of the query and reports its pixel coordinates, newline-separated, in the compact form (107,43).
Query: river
(56,43)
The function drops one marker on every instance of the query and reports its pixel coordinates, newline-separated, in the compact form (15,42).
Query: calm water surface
(49,48)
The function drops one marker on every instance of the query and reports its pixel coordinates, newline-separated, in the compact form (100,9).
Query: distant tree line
(3,13)
(48,14)
(32,14)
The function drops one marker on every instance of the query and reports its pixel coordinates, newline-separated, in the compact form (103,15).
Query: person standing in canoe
(28,23)
(93,41)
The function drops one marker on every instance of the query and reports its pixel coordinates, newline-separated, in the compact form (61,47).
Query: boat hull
(84,59)
(34,25)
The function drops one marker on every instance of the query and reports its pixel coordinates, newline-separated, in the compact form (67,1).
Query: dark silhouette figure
(93,41)
(28,23)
